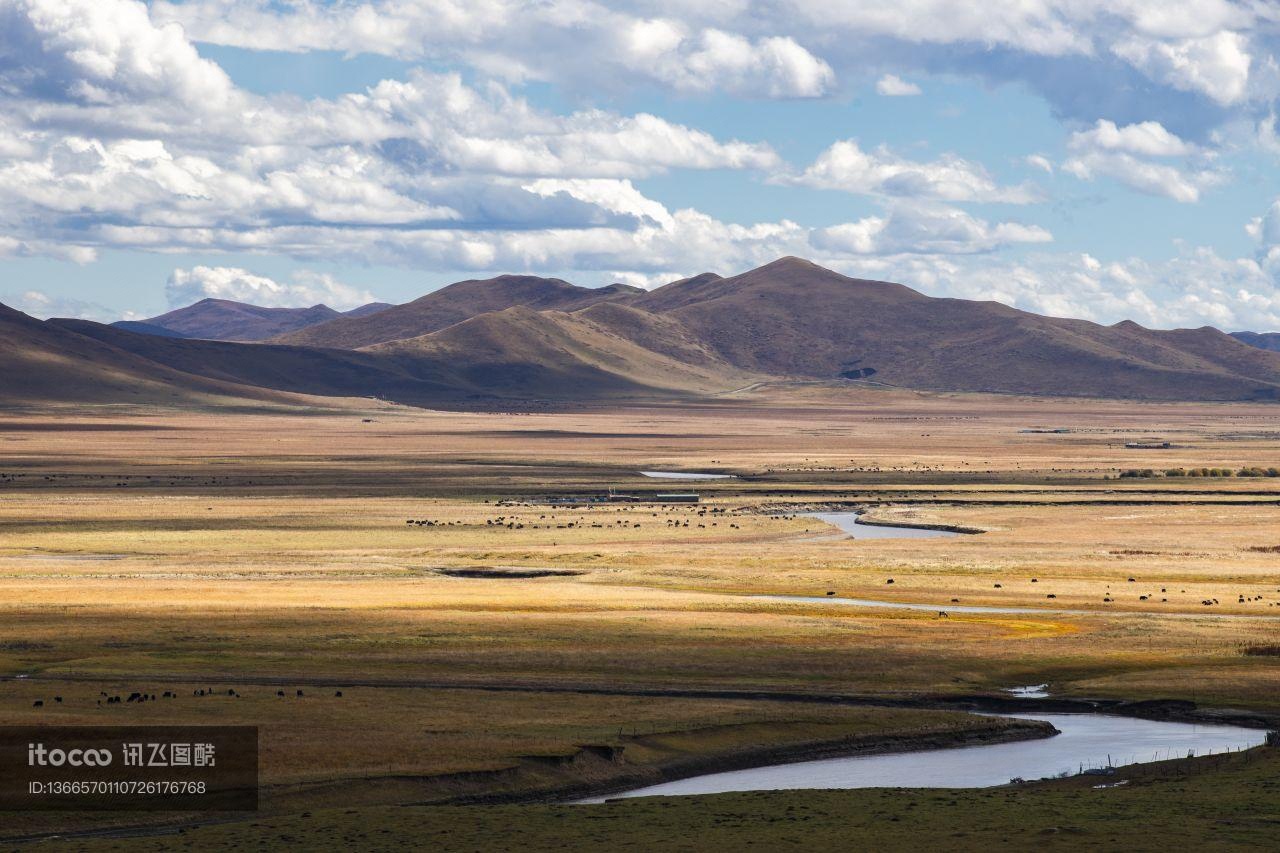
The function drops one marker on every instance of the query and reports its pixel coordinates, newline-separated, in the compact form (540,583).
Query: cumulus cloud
(1196,287)
(845,166)
(893,86)
(167,153)
(1132,155)
(1216,65)
(1147,139)
(103,52)
(304,289)
(774,67)
(522,41)
(1208,48)
(925,230)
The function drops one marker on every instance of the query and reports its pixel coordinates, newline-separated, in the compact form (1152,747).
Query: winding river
(1087,741)
(849,523)
(685,475)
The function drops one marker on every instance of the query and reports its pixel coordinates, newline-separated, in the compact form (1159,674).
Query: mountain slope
(1261,340)
(789,320)
(514,355)
(454,304)
(141,328)
(42,362)
(224,320)
(368,310)
(549,353)
(794,318)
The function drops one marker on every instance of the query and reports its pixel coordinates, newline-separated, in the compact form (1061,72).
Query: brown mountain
(795,318)
(789,320)
(41,362)
(368,310)
(224,320)
(548,354)
(453,304)
(1261,340)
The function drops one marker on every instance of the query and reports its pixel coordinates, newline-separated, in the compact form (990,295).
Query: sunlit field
(482,635)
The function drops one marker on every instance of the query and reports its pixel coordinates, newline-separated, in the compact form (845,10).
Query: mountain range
(492,342)
(225,320)
(1262,340)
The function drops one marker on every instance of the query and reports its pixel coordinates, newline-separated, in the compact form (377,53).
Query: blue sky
(1101,160)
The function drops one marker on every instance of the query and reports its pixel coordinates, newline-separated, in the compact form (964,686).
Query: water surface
(1086,741)
(848,522)
(685,475)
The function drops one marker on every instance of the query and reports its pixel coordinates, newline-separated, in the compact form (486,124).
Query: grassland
(261,551)
(1223,803)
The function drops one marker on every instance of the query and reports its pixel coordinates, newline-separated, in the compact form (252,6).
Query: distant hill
(522,338)
(453,304)
(42,362)
(141,328)
(367,310)
(225,320)
(1261,340)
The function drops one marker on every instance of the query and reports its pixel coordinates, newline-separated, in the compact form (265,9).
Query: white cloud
(892,86)
(1039,161)
(1216,65)
(845,166)
(104,52)
(1129,155)
(1208,47)
(775,67)
(522,41)
(925,230)
(306,288)
(37,303)
(1195,288)
(1147,139)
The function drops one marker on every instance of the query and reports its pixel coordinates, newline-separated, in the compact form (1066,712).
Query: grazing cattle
(942,614)
(338,694)
(39,703)
(830,592)
(58,699)
(299,692)
(279,692)
(890,580)
(999,586)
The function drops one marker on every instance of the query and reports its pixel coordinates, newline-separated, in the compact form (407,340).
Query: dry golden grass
(246,550)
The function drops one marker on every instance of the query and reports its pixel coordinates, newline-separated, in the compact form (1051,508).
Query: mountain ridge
(526,337)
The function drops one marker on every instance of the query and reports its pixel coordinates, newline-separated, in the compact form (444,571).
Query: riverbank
(863,511)
(1223,802)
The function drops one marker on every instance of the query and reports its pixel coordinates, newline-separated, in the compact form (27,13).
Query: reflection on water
(848,522)
(685,475)
(1031,691)
(1086,741)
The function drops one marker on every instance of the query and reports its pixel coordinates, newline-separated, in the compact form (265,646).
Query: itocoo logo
(39,756)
